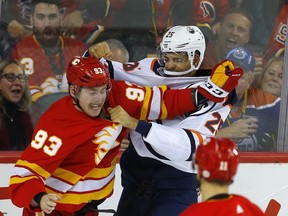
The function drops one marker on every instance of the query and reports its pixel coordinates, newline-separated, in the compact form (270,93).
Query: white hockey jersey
(172,142)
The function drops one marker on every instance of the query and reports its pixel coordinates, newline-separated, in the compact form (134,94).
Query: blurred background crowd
(45,39)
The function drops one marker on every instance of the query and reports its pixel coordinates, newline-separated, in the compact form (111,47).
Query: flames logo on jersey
(105,140)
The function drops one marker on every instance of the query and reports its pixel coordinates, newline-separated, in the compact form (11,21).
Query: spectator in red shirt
(276,43)
(77,16)
(46,52)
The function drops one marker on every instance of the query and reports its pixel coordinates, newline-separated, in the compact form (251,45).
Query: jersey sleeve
(174,141)
(150,102)
(175,144)
(147,73)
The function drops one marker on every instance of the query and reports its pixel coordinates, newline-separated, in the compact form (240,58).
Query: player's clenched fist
(118,114)
(48,202)
(100,50)
(224,78)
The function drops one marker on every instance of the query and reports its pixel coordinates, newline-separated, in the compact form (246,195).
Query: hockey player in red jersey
(217,161)
(69,167)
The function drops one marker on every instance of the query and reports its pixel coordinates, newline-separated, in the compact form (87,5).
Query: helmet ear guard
(73,89)
(217,160)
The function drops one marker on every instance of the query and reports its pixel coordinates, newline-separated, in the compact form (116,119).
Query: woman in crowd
(15,124)
(271,78)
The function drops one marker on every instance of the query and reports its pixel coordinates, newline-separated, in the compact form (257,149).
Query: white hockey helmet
(187,39)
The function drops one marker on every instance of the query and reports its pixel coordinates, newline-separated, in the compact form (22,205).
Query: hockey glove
(224,78)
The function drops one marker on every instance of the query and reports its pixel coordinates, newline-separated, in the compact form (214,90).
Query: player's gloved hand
(224,78)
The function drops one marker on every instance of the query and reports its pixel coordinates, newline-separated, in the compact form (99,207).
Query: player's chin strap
(76,102)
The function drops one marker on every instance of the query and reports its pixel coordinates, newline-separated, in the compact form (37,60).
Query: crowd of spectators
(40,37)
(45,39)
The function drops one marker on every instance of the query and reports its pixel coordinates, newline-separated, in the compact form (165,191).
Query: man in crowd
(46,53)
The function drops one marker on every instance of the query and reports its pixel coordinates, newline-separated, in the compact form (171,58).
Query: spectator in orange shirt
(253,121)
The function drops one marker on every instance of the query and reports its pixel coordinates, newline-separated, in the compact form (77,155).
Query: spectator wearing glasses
(15,99)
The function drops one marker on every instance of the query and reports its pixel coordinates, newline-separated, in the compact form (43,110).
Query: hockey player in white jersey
(157,176)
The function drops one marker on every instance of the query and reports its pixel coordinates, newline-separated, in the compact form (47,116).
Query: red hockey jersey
(41,72)
(74,155)
(209,11)
(211,56)
(234,205)
(276,44)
